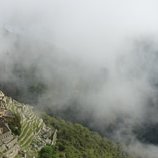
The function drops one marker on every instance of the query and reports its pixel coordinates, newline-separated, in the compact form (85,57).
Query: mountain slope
(76,141)
(30,122)
(73,140)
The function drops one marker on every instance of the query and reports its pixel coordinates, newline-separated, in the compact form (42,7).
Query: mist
(93,62)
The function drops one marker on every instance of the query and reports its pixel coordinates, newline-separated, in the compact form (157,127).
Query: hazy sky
(92,28)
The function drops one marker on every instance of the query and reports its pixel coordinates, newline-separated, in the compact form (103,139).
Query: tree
(47,152)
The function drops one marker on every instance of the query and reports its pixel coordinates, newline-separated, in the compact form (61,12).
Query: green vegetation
(73,140)
(14,123)
(76,141)
(30,123)
(47,152)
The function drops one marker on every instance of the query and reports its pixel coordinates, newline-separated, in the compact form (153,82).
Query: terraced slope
(30,122)
(74,140)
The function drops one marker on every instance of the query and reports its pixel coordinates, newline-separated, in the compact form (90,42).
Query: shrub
(47,152)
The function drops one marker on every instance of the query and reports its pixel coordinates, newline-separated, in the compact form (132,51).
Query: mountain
(27,132)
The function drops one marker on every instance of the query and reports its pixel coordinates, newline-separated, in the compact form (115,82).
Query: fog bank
(90,61)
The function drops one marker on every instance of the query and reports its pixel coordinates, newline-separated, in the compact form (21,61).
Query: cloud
(95,59)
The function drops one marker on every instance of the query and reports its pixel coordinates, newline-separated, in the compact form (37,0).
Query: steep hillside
(30,123)
(38,133)
(76,141)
